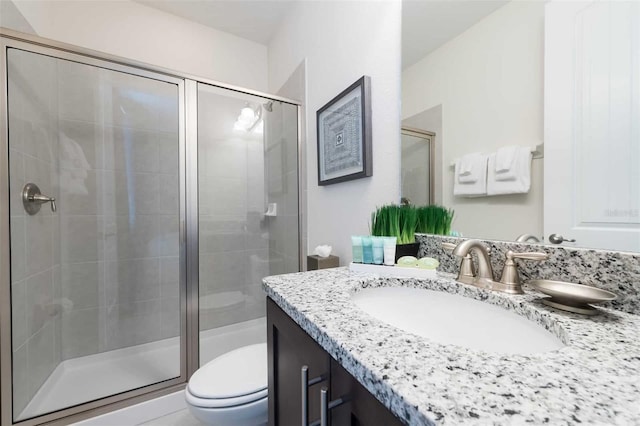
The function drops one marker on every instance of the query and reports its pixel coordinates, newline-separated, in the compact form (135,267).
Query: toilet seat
(224,402)
(236,378)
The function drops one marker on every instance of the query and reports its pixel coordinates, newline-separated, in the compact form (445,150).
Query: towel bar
(537,151)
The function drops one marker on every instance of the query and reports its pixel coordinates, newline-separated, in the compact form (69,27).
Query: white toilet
(231,389)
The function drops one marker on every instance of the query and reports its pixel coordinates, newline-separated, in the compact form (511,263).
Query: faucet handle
(534,255)
(510,274)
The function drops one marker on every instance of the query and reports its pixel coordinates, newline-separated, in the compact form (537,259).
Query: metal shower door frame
(189,243)
(109,403)
(430,136)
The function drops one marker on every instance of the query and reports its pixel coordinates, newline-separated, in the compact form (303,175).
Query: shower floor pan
(79,380)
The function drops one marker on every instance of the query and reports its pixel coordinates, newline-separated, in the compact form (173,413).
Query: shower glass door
(417,166)
(248,212)
(96,273)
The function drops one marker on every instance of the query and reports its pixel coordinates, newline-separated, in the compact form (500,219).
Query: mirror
(479,75)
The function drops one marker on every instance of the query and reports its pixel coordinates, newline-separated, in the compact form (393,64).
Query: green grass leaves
(404,221)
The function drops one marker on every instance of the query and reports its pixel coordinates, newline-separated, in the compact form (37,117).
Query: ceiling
(250,19)
(426,24)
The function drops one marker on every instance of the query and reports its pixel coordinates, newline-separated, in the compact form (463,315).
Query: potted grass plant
(434,219)
(400,222)
(404,221)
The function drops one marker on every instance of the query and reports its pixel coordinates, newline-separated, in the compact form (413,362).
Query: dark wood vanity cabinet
(291,348)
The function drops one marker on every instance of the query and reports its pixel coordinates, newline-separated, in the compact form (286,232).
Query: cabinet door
(361,407)
(289,349)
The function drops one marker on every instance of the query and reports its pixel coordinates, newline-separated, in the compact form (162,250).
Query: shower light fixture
(250,119)
(246,119)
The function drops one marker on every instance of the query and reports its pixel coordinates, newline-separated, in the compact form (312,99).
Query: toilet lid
(240,372)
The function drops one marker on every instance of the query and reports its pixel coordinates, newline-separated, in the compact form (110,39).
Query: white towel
(518,185)
(472,189)
(505,162)
(472,167)
(73,166)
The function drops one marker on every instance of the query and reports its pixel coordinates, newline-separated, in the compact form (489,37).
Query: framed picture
(344,135)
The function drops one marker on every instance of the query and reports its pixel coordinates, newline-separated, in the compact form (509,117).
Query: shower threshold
(83,379)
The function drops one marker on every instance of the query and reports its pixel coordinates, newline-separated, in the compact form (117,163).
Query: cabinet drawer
(290,348)
(361,408)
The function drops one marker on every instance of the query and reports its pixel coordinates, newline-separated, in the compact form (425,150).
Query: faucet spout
(527,237)
(485,271)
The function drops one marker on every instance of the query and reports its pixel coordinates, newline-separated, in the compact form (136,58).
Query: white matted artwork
(344,135)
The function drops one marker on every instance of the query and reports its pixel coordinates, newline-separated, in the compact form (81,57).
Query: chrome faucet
(510,280)
(484,276)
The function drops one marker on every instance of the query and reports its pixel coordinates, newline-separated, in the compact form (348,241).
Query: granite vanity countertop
(594,379)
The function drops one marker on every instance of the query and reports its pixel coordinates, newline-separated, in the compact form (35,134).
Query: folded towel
(505,159)
(467,162)
(475,188)
(73,166)
(521,155)
(472,167)
(519,184)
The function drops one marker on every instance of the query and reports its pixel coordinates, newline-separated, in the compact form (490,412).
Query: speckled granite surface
(595,379)
(618,272)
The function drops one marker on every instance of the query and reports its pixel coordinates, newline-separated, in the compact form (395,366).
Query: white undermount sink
(456,320)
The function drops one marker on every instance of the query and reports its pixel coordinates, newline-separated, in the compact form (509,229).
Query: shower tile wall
(240,172)
(118,210)
(281,151)
(233,234)
(294,88)
(102,272)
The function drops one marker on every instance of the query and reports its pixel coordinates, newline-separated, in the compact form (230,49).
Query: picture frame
(344,135)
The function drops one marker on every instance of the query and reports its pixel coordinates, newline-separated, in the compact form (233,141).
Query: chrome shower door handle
(32,199)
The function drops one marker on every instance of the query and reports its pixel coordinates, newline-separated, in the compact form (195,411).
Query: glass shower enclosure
(247,212)
(139,211)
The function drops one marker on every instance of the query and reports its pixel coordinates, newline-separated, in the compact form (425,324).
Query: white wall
(139,32)
(10,17)
(341,41)
(489,82)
